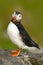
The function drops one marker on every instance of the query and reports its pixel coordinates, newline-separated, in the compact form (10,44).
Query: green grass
(32,11)
(7,44)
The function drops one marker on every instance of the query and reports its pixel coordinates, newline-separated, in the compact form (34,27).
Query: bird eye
(19,16)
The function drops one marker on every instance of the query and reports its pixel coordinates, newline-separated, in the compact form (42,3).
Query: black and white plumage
(18,34)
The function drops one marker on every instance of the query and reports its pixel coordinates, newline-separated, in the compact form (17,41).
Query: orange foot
(15,52)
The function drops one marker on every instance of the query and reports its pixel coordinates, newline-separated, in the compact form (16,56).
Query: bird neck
(15,22)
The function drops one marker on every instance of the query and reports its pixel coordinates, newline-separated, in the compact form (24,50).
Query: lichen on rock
(25,58)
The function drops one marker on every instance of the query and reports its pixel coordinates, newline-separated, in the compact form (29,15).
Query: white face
(18,16)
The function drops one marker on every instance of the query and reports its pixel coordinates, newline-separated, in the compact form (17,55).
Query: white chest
(12,29)
(14,35)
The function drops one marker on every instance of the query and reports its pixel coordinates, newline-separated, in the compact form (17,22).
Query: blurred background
(32,11)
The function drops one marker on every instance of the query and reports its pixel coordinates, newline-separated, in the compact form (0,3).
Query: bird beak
(13,19)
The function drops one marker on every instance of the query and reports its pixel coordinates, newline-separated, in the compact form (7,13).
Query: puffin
(18,34)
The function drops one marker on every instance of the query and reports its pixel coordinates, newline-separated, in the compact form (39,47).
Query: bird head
(16,17)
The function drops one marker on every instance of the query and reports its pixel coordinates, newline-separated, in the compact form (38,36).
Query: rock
(25,58)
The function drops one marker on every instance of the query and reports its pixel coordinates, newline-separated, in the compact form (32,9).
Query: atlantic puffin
(18,35)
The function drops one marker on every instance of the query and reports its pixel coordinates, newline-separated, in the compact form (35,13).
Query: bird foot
(15,52)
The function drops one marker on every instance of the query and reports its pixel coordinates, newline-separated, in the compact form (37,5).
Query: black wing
(25,37)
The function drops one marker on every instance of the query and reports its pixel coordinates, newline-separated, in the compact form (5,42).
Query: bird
(18,34)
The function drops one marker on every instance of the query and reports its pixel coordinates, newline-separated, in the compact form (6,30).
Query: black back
(25,37)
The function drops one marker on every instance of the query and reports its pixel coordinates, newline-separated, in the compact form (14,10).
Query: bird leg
(15,52)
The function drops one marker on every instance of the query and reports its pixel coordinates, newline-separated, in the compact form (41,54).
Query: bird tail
(35,44)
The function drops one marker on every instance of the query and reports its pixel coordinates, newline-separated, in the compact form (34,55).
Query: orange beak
(14,18)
